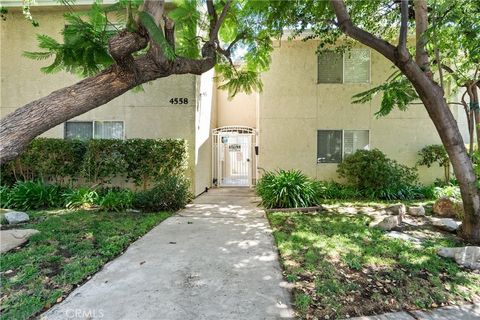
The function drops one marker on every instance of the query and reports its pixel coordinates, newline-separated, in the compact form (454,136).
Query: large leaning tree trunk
(432,96)
(21,126)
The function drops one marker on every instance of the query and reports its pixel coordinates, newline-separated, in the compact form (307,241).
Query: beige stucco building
(303,119)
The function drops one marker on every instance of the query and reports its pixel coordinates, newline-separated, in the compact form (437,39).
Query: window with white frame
(334,145)
(352,66)
(85,130)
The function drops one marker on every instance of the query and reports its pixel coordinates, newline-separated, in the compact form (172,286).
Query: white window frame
(93,126)
(343,142)
(343,70)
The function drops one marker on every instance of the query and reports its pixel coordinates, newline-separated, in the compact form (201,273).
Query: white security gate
(233,156)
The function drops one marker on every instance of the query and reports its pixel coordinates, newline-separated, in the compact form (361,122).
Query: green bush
(435,153)
(104,160)
(116,200)
(5,197)
(31,195)
(149,160)
(169,194)
(142,161)
(45,159)
(82,197)
(288,189)
(376,176)
(335,190)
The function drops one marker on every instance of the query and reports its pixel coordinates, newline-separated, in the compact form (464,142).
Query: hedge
(98,161)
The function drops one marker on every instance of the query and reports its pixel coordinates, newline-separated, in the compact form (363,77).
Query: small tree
(435,153)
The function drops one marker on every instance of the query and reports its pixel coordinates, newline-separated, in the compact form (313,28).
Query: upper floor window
(85,130)
(334,145)
(352,66)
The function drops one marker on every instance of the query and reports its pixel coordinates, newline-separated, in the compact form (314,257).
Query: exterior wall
(145,114)
(241,110)
(205,122)
(293,107)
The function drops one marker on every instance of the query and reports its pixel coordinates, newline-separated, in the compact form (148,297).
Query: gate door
(232,156)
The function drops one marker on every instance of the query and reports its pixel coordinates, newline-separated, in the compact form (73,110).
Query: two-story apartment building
(303,119)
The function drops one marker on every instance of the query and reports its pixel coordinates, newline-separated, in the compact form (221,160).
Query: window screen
(78,130)
(356,64)
(330,68)
(108,130)
(329,146)
(354,140)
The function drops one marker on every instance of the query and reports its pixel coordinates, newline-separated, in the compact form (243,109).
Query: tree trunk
(432,97)
(31,120)
(421,25)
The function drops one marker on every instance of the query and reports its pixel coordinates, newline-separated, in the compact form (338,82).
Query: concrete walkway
(213,260)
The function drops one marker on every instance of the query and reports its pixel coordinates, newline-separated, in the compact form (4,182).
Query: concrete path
(213,260)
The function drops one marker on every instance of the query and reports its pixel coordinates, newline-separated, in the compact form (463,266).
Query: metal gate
(232,154)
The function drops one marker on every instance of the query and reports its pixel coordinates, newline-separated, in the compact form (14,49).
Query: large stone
(398,210)
(14,237)
(416,211)
(388,223)
(448,207)
(14,217)
(447,224)
(403,236)
(468,257)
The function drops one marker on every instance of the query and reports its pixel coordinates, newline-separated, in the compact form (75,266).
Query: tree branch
(368,39)
(220,20)
(402,37)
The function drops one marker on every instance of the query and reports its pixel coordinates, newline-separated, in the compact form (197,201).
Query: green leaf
(157,34)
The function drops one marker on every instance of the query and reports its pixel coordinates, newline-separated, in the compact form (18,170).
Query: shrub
(5,197)
(30,195)
(450,191)
(170,194)
(376,176)
(82,197)
(116,200)
(142,161)
(151,159)
(335,190)
(103,160)
(47,160)
(435,153)
(288,189)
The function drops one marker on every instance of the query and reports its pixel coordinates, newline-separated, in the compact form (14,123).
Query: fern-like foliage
(157,34)
(84,50)
(397,92)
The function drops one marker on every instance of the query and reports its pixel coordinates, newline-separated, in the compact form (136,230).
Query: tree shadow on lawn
(341,267)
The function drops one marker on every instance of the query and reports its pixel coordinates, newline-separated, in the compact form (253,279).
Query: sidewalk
(213,260)
(466,312)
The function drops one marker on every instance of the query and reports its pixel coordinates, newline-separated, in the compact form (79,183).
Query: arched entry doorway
(233,156)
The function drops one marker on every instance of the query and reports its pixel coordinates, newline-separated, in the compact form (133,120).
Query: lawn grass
(71,246)
(340,267)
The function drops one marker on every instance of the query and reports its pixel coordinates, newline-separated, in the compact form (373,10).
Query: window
(350,67)
(334,145)
(85,130)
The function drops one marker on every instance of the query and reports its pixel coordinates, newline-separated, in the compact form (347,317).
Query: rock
(404,237)
(14,237)
(14,217)
(388,223)
(397,210)
(416,211)
(448,207)
(446,224)
(133,211)
(468,257)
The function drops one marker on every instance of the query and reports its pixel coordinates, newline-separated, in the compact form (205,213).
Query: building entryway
(233,156)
